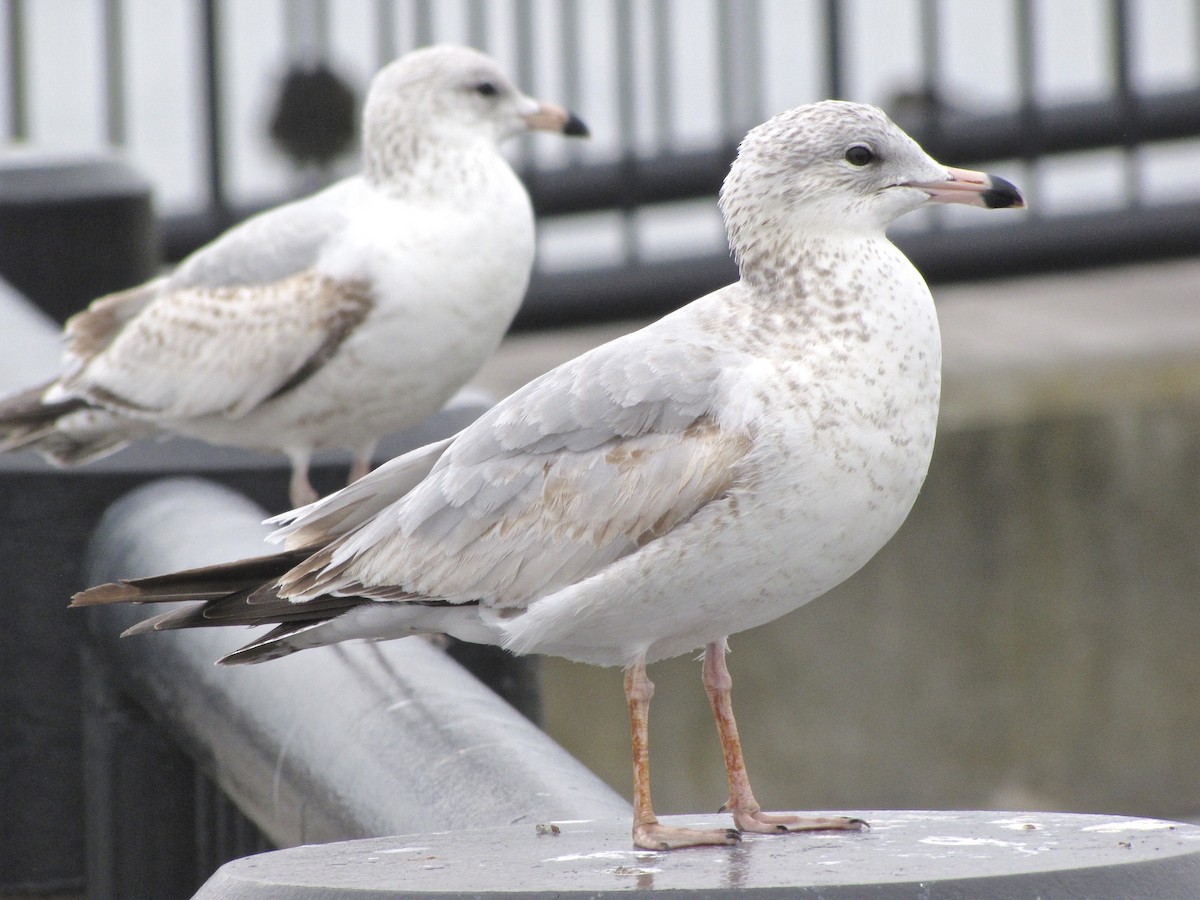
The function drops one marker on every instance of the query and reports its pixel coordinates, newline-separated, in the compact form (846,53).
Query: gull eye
(487,89)
(859,155)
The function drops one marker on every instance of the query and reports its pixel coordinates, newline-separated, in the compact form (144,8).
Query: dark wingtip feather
(270,646)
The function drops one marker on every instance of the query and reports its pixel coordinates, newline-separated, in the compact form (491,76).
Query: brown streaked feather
(91,331)
(343,318)
(199,351)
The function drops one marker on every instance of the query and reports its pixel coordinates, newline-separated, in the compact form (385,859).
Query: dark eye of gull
(487,89)
(859,155)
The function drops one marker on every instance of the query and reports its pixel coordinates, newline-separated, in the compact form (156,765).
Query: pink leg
(362,462)
(647,832)
(300,489)
(747,814)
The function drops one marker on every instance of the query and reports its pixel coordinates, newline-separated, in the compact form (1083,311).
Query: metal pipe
(330,744)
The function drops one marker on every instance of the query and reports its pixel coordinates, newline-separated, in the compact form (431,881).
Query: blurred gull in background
(331,321)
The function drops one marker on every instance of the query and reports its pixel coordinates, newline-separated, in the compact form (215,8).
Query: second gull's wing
(208,351)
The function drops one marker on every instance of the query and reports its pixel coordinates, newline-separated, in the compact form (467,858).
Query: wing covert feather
(577,469)
(272,245)
(201,351)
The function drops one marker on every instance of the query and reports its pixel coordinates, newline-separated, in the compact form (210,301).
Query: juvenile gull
(659,493)
(331,321)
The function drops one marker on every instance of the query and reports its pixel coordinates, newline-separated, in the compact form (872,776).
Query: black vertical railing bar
(324,16)
(222,831)
(114,73)
(725,33)
(477,24)
(313,28)
(1196,28)
(423,24)
(523,44)
(208,843)
(218,198)
(754,96)
(385,32)
(627,127)
(931,64)
(301,28)
(571,80)
(931,99)
(18,109)
(322,29)
(1121,53)
(835,51)
(739,34)
(1030,111)
(662,95)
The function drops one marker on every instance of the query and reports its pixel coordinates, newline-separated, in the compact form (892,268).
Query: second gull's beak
(973,189)
(548,117)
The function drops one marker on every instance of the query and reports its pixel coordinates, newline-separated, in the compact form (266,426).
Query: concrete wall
(1030,639)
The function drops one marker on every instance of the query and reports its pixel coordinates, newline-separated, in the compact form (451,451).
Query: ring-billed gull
(659,493)
(331,321)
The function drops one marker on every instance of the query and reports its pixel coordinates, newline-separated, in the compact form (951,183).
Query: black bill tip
(1003,195)
(576,128)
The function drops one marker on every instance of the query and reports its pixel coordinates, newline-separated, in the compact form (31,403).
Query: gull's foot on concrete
(656,836)
(759,822)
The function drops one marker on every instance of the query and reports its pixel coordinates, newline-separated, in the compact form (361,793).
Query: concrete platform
(993,855)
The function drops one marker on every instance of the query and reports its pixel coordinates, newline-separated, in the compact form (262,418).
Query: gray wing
(270,246)
(576,470)
(341,512)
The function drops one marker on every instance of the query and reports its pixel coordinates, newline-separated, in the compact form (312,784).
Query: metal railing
(632,69)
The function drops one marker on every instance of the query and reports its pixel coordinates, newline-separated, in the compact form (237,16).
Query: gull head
(837,167)
(447,94)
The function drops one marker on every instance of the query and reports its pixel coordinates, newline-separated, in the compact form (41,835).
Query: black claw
(861,823)
(734,834)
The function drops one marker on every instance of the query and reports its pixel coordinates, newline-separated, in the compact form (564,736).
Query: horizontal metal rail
(1034,243)
(1045,244)
(343,742)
